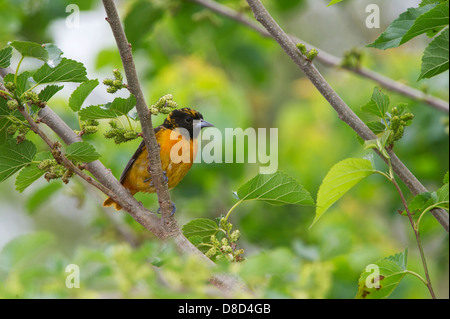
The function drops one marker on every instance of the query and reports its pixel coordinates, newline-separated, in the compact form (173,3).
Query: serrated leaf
(339,180)
(435,59)
(66,71)
(31,173)
(13,157)
(117,108)
(393,35)
(48,92)
(123,106)
(276,189)
(383,277)
(200,228)
(28,176)
(378,104)
(82,151)
(420,202)
(5,57)
(4,136)
(4,122)
(81,93)
(446,178)
(96,112)
(442,193)
(23,82)
(30,49)
(435,19)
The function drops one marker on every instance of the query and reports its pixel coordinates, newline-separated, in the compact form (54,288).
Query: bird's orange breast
(138,178)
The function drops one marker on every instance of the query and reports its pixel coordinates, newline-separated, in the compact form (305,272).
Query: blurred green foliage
(234,78)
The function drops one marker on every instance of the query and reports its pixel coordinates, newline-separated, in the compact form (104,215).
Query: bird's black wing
(135,156)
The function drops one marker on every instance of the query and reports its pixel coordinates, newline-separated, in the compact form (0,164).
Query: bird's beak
(203,124)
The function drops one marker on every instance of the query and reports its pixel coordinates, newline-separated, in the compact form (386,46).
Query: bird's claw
(174,209)
(166,179)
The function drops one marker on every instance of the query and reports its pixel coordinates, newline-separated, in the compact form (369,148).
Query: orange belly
(138,178)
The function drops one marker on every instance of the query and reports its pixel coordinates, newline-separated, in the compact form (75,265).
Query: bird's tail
(109,202)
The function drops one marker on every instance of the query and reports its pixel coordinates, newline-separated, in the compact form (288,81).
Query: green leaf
(115,109)
(31,173)
(22,251)
(339,180)
(200,227)
(435,19)
(419,203)
(393,35)
(48,92)
(66,71)
(276,189)
(82,151)
(4,122)
(23,82)
(436,56)
(31,49)
(123,106)
(96,112)
(5,57)
(4,136)
(81,93)
(380,278)
(13,157)
(442,193)
(378,104)
(446,178)
(28,176)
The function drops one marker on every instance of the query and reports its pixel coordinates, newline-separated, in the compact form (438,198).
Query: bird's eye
(188,119)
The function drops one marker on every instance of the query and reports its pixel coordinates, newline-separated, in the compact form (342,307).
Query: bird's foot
(166,179)
(174,209)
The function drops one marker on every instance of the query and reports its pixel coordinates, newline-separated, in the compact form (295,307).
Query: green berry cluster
(114,84)
(32,98)
(88,127)
(352,59)
(225,248)
(55,171)
(120,134)
(19,128)
(310,55)
(165,105)
(398,122)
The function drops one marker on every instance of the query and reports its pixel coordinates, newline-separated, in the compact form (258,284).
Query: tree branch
(331,60)
(344,112)
(148,133)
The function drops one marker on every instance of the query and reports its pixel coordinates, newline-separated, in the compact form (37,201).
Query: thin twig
(417,234)
(330,60)
(342,109)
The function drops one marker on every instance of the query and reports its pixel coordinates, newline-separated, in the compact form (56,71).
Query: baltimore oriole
(136,177)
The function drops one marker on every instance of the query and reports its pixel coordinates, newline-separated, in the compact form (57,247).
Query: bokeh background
(235,78)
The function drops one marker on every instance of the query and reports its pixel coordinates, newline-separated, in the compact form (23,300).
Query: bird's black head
(185,118)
